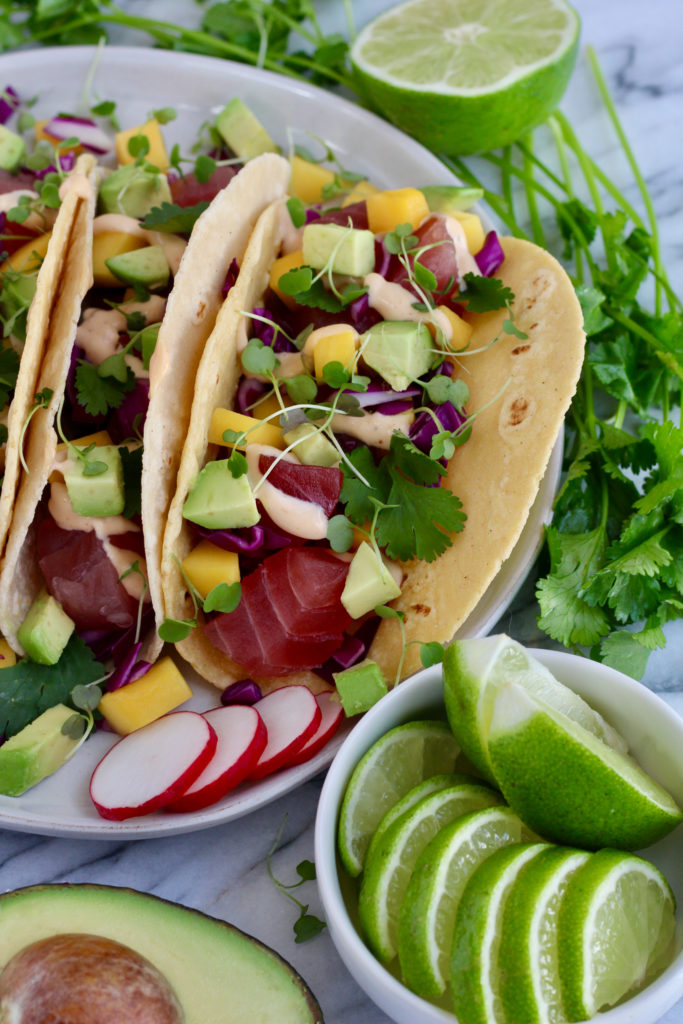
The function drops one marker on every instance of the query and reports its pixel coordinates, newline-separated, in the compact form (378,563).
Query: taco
(78,531)
(373,414)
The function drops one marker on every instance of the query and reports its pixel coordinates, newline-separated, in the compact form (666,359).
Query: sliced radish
(242,737)
(89,135)
(291,716)
(332,714)
(151,767)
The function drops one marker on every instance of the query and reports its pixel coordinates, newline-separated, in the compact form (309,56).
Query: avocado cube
(45,631)
(133,190)
(12,149)
(147,266)
(220,501)
(449,198)
(350,250)
(360,686)
(243,132)
(95,483)
(37,751)
(311,446)
(400,351)
(368,583)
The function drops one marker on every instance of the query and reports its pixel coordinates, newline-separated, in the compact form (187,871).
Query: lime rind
(387,873)
(395,763)
(567,785)
(427,915)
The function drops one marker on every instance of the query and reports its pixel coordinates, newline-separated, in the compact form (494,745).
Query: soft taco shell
(219,237)
(523,389)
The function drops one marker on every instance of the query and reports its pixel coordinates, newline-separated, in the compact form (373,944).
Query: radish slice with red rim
(152,766)
(332,715)
(242,737)
(291,716)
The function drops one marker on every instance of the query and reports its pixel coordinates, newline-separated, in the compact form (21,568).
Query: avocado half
(220,974)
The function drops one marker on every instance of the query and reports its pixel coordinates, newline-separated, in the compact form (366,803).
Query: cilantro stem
(537,231)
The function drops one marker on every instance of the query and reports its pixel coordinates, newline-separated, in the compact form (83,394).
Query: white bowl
(655,735)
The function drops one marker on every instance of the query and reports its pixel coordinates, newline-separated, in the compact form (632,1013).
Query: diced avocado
(147,266)
(243,132)
(312,447)
(447,198)
(360,686)
(133,190)
(400,351)
(220,501)
(190,949)
(45,631)
(93,490)
(350,250)
(368,583)
(36,752)
(12,149)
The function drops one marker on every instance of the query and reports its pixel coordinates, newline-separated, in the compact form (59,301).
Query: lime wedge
(528,954)
(476,937)
(464,76)
(615,931)
(569,786)
(474,670)
(388,870)
(427,916)
(399,760)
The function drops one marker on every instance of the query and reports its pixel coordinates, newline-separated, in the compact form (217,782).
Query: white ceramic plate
(141,80)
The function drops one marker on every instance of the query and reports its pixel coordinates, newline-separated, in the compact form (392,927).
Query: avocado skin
(224,967)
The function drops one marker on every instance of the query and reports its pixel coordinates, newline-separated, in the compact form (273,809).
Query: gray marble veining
(223,871)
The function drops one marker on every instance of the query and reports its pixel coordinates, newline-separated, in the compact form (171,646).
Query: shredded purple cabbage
(350,652)
(230,277)
(246,540)
(129,419)
(491,255)
(245,691)
(129,668)
(249,391)
(66,164)
(9,102)
(424,428)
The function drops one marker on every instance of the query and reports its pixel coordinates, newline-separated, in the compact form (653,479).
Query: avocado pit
(77,978)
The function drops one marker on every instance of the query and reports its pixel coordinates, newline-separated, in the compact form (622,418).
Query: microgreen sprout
(306,926)
(41,400)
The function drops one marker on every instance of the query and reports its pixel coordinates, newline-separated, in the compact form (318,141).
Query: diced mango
(41,135)
(473,228)
(396,206)
(266,407)
(28,257)
(106,244)
(157,149)
(7,655)
(160,690)
(281,266)
(258,431)
(309,179)
(207,565)
(331,348)
(461,331)
(100,438)
(361,190)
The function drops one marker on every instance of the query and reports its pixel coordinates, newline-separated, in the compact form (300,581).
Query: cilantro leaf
(485,294)
(99,394)
(565,614)
(177,220)
(418,520)
(355,495)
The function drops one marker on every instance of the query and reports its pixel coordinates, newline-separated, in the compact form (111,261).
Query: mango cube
(461,331)
(473,228)
(100,438)
(7,655)
(266,407)
(361,190)
(207,565)
(157,149)
(281,266)
(105,245)
(335,348)
(28,257)
(396,206)
(309,179)
(259,432)
(160,690)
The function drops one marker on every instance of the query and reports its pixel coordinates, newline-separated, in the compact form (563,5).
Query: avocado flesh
(218,973)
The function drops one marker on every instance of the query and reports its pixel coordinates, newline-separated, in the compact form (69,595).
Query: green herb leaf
(223,598)
(174,219)
(340,533)
(172,631)
(485,294)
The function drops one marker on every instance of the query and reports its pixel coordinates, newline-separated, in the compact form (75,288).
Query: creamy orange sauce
(300,518)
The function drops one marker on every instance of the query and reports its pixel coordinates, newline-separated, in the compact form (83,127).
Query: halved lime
(388,870)
(473,672)
(615,931)
(399,760)
(528,955)
(464,76)
(568,785)
(427,917)
(475,979)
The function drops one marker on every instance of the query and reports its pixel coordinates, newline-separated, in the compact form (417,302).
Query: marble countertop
(223,870)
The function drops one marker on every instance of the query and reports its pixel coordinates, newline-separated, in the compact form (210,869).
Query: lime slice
(616,931)
(427,916)
(388,871)
(528,954)
(568,785)
(476,937)
(399,760)
(464,76)
(473,672)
